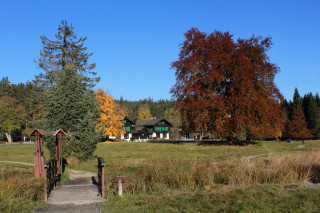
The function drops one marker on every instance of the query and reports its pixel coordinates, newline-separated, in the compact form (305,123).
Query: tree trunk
(8,137)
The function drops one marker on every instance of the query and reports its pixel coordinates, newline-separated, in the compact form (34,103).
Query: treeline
(26,102)
(156,108)
(31,97)
(302,116)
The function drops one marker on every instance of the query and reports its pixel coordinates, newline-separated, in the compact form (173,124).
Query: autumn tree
(12,116)
(143,113)
(111,115)
(226,87)
(297,126)
(67,48)
(173,116)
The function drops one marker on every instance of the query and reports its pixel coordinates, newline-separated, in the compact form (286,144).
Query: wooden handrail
(51,177)
(101,165)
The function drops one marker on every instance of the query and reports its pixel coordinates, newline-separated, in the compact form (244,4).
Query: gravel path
(86,208)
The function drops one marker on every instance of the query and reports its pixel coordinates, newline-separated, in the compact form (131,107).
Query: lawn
(193,177)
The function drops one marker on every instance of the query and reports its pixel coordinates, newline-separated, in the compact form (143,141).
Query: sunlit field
(190,177)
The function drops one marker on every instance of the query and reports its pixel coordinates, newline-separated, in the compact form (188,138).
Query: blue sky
(134,42)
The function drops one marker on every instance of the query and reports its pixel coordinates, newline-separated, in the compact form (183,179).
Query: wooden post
(45,183)
(103,188)
(101,165)
(120,180)
(59,133)
(38,155)
(119,187)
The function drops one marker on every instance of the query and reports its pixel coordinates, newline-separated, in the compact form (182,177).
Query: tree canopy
(143,113)
(111,115)
(66,49)
(71,106)
(226,87)
(12,116)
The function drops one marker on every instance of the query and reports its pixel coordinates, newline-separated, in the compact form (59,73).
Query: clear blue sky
(134,42)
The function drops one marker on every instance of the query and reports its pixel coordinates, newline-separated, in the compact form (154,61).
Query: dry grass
(192,175)
(18,186)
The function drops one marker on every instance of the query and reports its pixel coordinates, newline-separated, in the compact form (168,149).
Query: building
(146,129)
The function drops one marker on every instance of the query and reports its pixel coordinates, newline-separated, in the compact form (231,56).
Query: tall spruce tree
(310,108)
(297,100)
(71,106)
(67,48)
(317,99)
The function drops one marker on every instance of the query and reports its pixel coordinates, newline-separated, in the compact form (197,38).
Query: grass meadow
(263,176)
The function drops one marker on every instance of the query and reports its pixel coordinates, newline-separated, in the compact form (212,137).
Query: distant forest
(301,115)
(30,96)
(157,108)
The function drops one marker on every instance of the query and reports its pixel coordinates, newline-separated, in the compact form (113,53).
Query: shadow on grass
(210,142)
(173,141)
(225,142)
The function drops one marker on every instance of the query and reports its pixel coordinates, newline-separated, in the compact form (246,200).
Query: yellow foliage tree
(143,113)
(111,115)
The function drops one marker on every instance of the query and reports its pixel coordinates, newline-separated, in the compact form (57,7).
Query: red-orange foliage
(227,87)
(297,126)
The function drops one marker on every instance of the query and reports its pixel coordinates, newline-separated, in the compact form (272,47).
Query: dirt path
(16,162)
(80,194)
(81,189)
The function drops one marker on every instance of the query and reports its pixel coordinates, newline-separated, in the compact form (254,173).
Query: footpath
(80,194)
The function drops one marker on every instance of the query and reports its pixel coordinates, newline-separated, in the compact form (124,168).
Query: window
(151,128)
(163,122)
(125,121)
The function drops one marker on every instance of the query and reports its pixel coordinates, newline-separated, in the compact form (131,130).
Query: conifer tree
(5,87)
(72,107)
(67,48)
(297,100)
(317,99)
(311,111)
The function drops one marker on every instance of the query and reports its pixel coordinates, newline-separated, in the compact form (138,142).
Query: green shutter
(125,121)
(163,122)
(166,128)
(128,127)
(155,129)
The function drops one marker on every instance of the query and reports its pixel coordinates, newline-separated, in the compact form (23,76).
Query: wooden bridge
(83,187)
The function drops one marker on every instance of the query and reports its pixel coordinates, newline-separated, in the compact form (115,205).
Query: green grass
(19,153)
(257,198)
(146,164)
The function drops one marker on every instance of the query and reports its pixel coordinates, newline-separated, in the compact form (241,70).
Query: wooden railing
(101,165)
(51,177)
